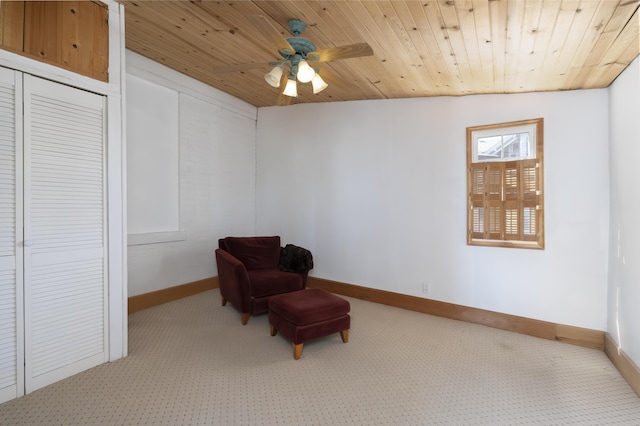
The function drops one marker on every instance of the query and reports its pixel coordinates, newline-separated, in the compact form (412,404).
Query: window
(505,185)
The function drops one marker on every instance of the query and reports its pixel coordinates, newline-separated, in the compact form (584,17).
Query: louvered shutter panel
(529,177)
(485,201)
(493,201)
(11,343)
(512,201)
(65,225)
(512,187)
(476,187)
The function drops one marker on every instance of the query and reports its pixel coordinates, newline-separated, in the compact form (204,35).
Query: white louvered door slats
(11,314)
(65,264)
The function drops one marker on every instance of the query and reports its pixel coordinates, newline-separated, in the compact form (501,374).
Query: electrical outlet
(426,288)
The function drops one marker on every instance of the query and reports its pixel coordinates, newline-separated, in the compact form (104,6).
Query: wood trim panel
(625,365)
(12,25)
(580,336)
(155,298)
(69,34)
(546,330)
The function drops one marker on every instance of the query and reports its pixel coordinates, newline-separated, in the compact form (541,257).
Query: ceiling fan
(300,56)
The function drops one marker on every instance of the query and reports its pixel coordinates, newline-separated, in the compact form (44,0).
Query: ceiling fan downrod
(296,27)
(301,45)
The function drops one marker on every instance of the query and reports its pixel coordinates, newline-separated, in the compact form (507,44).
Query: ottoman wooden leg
(245,318)
(297,350)
(345,335)
(224,302)
(274,330)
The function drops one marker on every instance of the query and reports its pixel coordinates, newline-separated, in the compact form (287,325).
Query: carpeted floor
(192,362)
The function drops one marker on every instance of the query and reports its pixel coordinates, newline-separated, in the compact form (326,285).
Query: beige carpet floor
(192,362)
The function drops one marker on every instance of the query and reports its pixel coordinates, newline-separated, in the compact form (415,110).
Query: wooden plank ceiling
(421,48)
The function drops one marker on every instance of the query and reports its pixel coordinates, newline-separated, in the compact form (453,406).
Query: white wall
(376,190)
(624,264)
(153,197)
(217,180)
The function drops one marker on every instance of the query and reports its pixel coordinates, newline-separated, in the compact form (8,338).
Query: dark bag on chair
(295,259)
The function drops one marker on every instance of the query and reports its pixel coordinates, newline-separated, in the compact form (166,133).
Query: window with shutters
(505,184)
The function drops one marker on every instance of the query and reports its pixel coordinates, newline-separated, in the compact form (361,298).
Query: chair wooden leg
(274,330)
(297,350)
(345,335)
(245,318)
(224,302)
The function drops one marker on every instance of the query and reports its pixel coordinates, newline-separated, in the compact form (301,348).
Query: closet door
(64,226)
(11,314)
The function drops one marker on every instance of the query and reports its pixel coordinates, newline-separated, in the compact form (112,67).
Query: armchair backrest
(253,252)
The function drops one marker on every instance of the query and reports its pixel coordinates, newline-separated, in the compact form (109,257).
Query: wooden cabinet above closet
(70,34)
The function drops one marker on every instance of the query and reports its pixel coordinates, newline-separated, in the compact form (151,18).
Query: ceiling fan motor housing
(301,45)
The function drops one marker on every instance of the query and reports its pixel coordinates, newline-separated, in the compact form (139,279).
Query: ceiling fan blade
(330,78)
(343,52)
(263,24)
(239,67)
(283,100)
(334,81)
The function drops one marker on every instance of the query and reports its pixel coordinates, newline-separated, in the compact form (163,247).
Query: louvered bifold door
(64,202)
(11,313)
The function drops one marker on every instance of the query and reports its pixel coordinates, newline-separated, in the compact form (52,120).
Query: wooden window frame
(505,205)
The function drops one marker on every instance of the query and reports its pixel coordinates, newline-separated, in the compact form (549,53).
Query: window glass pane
(515,146)
(489,148)
(512,145)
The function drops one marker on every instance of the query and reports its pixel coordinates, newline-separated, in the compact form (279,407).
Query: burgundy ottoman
(308,314)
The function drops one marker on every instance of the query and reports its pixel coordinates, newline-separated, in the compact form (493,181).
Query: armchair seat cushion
(266,282)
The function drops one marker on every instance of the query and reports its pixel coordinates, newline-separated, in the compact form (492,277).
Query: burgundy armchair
(252,269)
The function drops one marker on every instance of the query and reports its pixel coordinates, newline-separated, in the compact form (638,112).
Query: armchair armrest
(234,280)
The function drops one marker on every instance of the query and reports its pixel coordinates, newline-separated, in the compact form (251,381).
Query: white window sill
(155,238)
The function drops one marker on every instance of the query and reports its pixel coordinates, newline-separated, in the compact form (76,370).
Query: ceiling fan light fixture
(318,84)
(273,77)
(291,89)
(305,72)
